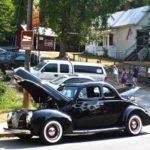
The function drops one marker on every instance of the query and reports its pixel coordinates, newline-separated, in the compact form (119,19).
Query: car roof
(73,62)
(69,76)
(85,84)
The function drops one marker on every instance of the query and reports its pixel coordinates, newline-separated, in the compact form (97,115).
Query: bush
(2,89)
(2,85)
(105,53)
(9,99)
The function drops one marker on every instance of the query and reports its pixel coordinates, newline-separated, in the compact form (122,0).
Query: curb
(3,135)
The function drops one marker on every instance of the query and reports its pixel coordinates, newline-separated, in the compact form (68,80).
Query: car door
(88,111)
(114,107)
(49,71)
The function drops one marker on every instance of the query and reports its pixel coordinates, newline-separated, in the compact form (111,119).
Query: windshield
(59,80)
(68,92)
(39,66)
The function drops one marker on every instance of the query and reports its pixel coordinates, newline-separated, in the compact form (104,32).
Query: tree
(70,18)
(20,13)
(6,17)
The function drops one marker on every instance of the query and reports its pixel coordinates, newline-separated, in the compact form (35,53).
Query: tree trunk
(64,28)
(62,52)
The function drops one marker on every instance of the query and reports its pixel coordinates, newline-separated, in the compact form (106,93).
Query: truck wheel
(134,125)
(51,132)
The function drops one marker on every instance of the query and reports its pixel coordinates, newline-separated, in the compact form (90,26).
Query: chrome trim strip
(98,130)
(17,131)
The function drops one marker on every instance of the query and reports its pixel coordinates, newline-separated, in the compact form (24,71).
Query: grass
(9,97)
(81,57)
(10,100)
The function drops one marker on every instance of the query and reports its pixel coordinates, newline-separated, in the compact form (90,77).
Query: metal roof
(129,17)
(41,30)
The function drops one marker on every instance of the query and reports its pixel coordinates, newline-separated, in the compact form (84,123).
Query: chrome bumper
(17,131)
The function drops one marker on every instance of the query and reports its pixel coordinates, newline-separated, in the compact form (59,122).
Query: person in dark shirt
(135,75)
(124,77)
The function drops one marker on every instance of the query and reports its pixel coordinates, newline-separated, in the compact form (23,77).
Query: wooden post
(26,100)
(73,57)
(86,60)
(146,71)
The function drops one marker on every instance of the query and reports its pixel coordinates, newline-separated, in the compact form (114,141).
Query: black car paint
(76,114)
(40,117)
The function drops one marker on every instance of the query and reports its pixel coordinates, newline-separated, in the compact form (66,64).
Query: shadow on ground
(15,143)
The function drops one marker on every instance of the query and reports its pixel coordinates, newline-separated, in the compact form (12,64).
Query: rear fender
(145,117)
(40,117)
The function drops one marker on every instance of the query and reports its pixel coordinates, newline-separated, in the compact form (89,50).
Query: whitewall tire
(52,132)
(134,125)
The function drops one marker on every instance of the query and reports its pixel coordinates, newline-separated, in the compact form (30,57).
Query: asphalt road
(142,97)
(103,141)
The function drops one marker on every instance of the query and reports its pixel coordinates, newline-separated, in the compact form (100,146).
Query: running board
(93,131)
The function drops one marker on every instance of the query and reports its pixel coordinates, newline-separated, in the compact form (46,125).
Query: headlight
(9,116)
(28,117)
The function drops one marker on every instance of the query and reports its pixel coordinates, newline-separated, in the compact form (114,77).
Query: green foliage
(20,12)
(6,17)
(105,53)
(72,20)
(2,85)
(10,100)
(2,89)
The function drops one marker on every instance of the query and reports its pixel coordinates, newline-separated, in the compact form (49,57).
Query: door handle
(55,75)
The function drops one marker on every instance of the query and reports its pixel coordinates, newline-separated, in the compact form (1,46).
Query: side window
(72,80)
(108,93)
(83,94)
(64,68)
(88,69)
(81,80)
(90,92)
(77,80)
(50,68)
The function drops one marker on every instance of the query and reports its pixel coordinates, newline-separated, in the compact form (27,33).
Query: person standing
(135,75)
(116,74)
(124,77)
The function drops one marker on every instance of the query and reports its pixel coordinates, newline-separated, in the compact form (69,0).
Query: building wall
(145,21)
(124,39)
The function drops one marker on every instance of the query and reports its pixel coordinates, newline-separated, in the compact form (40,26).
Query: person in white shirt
(116,73)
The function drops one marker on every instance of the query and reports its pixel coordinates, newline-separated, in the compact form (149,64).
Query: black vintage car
(85,108)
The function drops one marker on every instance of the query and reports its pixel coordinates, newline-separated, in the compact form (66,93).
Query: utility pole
(26,100)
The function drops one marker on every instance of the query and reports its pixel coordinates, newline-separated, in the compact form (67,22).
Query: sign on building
(27,38)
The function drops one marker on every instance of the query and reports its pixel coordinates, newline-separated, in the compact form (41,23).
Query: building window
(111,39)
(48,43)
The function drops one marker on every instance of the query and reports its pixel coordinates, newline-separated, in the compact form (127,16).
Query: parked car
(19,60)
(2,51)
(6,58)
(77,108)
(51,69)
(69,78)
(10,59)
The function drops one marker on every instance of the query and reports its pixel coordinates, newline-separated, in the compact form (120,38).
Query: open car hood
(130,93)
(39,90)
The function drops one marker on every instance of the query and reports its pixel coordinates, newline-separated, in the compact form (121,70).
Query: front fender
(41,116)
(143,114)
